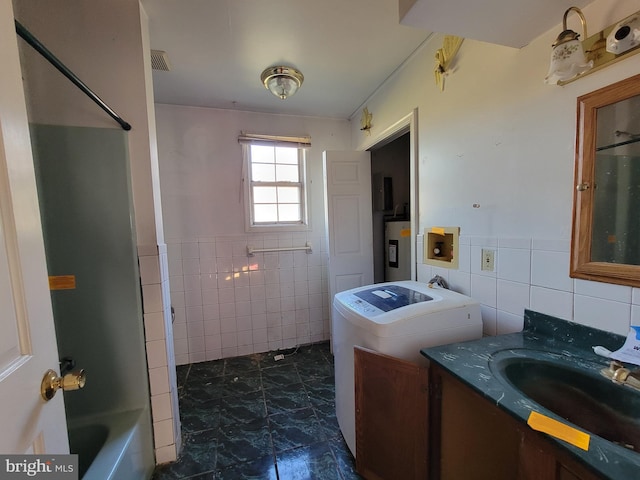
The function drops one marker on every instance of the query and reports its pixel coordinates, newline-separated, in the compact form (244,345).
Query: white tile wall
(607,291)
(603,314)
(228,304)
(156,300)
(635,315)
(515,265)
(513,296)
(508,322)
(489,320)
(483,289)
(533,274)
(552,302)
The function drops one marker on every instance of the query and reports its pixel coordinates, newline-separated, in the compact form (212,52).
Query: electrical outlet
(488,259)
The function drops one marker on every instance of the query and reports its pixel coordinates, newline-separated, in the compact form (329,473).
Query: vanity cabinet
(391,399)
(472,438)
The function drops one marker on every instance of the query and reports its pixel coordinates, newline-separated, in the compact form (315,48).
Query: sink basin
(583,397)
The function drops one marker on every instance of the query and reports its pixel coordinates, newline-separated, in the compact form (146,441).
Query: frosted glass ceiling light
(283,82)
(567,56)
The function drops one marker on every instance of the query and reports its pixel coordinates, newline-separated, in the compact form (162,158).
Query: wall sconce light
(444,58)
(572,59)
(567,55)
(365,121)
(283,82)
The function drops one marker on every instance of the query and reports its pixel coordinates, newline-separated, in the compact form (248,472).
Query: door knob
(51,382)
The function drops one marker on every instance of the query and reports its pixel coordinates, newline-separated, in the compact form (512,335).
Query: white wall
(227,304)
(497,136)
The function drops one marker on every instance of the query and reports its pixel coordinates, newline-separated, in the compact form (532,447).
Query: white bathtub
(113,446)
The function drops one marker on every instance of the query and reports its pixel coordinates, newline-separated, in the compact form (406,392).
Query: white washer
(397,319)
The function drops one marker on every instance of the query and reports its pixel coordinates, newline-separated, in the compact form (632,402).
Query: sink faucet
(618,373)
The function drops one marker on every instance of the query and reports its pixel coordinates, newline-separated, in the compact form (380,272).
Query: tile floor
(256,418)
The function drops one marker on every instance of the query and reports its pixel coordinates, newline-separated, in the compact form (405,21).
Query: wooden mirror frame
(583,193)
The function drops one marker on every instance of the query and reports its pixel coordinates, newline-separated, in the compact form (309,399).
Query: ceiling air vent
(160,60)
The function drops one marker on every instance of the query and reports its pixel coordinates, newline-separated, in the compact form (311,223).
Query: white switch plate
(488,257)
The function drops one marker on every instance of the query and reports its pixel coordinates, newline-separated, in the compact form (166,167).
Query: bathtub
(113,446)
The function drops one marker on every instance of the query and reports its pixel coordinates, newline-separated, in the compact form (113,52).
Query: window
(275,185)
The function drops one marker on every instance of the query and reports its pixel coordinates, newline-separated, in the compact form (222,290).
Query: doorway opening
(349,208)
(391,208)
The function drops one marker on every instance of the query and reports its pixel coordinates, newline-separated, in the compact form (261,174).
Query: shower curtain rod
(51,58)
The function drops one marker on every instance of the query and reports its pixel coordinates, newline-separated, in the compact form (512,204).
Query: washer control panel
(362,307)
(377,300)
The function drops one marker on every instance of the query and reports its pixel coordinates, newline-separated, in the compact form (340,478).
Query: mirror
(605,243)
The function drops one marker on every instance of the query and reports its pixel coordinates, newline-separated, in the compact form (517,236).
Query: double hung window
(275,184)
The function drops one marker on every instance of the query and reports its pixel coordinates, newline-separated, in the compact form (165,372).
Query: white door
(347,177)
(27,336)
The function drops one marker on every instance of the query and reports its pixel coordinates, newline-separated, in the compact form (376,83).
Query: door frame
(408,123)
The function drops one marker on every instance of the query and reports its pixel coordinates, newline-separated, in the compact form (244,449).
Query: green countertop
(548,339)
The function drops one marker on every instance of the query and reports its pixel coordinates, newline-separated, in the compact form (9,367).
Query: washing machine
(397,319)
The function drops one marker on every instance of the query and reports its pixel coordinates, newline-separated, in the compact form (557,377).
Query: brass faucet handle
(615,372)
(620,375)
(615,365)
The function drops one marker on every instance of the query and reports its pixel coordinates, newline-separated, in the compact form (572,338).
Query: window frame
(250,224)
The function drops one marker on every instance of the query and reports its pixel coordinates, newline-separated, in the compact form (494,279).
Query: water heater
(397,252)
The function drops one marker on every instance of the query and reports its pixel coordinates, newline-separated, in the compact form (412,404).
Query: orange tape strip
(557,429)
(62,282)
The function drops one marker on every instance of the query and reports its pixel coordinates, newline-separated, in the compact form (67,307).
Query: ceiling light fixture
(283,82)
(567,56)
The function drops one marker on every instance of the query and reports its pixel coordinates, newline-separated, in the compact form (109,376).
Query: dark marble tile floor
(256,418)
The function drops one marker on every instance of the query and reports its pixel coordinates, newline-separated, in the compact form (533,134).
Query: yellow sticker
(62,282)
(405,232)
(438,230)
(557,429)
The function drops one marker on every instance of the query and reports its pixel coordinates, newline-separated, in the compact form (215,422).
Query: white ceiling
(345,48)
(513,23)
(218,48)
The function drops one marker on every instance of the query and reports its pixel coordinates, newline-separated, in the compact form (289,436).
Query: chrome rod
(251,251)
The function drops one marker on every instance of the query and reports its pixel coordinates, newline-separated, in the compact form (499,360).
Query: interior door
(347,177)
(27,336)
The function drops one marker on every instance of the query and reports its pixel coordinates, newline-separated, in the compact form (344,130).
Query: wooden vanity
(472,438)
(478,417)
